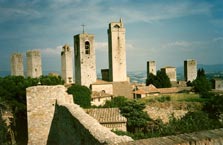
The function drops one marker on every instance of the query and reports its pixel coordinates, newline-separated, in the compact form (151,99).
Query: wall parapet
(53,118)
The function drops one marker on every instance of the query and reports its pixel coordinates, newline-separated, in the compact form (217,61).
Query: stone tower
(190,70)
(34,63)
(84,54)
(17,65)
(151,68)
(66,65)
(170,72)
(117,52)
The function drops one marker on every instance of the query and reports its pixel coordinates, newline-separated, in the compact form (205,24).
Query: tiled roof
(106,115)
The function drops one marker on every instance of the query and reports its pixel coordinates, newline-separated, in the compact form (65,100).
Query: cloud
(179,44)
(101,46)
(51,51)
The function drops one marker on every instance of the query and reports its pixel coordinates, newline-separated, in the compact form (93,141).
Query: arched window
(87,47)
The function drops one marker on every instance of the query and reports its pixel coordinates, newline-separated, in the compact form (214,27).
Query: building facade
(151,68)
(17,65)
(117,52)
(34,63)
(190,70)
(84,55)
(67,64)
(170,72)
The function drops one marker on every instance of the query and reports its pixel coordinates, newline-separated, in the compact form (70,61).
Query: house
(99,98)
(109,117)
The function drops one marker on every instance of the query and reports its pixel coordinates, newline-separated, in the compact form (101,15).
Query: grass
(173,97)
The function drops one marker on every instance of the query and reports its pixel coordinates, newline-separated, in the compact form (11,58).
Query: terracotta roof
(106,115)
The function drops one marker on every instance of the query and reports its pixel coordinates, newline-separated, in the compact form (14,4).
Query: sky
(167,31)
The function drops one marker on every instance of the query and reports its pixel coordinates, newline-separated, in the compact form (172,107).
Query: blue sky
(167,31)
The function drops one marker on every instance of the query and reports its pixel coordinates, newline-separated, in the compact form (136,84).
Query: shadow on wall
(65,129)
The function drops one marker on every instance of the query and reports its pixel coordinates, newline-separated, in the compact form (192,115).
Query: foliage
(137,118)
(81,95)
(201,83)
(214,106)
(115,102)
(161,80)
(163,98)
(13,97)
(51,80)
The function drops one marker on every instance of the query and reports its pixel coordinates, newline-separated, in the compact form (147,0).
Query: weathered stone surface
(53,118)
(209,137)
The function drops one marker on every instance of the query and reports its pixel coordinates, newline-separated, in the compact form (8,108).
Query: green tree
(161,80)
(81,95)
(51,80)
(137,119)
(115,102)
(213,106)
(201,84)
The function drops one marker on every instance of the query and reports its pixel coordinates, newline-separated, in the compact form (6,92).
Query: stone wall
(209,137)
(53,118)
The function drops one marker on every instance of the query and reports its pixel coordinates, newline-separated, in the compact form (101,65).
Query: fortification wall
(53,118)
(209,137)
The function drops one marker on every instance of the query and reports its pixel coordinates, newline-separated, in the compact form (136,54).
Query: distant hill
(207,68)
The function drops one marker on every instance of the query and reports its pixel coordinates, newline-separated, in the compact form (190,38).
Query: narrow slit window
(87,47)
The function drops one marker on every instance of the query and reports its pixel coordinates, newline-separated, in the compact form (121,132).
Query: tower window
(87,47)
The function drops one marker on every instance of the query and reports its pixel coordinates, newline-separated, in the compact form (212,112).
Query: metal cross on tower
(83,27)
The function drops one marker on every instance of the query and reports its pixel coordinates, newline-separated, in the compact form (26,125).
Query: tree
(115,102)
(161,80)
(137,118)
(214,106)
(51,80)
(201,84)
(81,95)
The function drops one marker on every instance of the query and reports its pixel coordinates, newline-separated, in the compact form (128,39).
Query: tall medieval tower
(66,64)
(151,68)
(84,54)
(117,52)
(34,64)
(190,70)
(17,65)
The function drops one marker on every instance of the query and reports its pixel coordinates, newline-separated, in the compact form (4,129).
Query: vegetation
(81,95)
(201,83)
(13,98)
(133,111)
(200,119)
(161,80)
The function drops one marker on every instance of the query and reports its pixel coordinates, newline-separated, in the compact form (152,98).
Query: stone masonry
(85,65)
(17,65)
(67,64)
(117,52)
(34,63)
(53,118)
(190,70)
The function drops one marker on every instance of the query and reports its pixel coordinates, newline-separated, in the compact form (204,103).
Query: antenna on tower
(83,27)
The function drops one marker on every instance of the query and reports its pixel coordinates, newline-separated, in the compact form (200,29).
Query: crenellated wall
(53,118)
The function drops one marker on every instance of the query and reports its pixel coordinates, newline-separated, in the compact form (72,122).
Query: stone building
(117,52)
(217,84)
(151,68)
(109,117)
(66,64)
(34,63)
(171,73)
(190,70)
(85,65)
(17,65)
